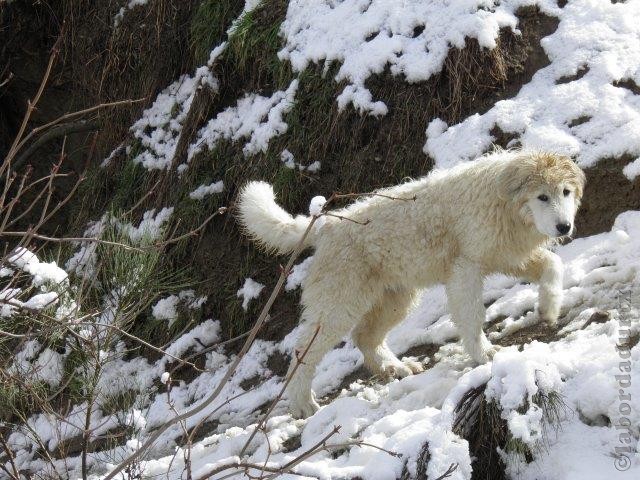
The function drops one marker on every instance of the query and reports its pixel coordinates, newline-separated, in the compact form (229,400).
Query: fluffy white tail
(268,223)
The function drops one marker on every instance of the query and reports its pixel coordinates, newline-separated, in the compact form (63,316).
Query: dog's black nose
(563,228)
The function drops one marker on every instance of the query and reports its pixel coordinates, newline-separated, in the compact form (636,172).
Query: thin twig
(319,446)
(31,105)
(6,80)
(71,239)
(57,132)
(366,222)
(144,197)
(231,369)
(452,468)
(142,342)
(193,232)
(67,116)
(299,361)
(5,447)
(374,194)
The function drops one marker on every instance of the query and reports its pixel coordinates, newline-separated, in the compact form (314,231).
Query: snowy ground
(589,363)
(384,425)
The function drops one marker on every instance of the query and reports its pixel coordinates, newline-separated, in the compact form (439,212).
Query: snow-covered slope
(582,104)
(591,364)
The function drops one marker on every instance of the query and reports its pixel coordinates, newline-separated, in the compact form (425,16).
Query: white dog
(496,214)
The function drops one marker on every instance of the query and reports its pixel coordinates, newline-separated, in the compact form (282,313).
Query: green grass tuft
(208,26)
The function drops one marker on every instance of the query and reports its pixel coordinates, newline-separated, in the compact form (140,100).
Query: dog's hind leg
(369,335)
(330,312)
(464,295)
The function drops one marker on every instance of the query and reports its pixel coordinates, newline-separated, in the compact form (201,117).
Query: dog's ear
(578,179)
(515,175)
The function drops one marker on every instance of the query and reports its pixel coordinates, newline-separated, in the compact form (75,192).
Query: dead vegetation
(151,48)
(357,153)
(480,422)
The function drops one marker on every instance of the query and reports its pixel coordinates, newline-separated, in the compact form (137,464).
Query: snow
(255,118)
(132,4)
(6,272)
(207,332)
(205,190)
(316,205)
(385,34)
(167,308)
(298,274)
(312,167)
(37,363)
(49,286)
(250,290)
(40,301)
(601,38)
(8,302)
(42,272)
(384,425)
(582,366)
(288,159)
(151,226)
(632,170)
(160,126)
(83,261)
(598,37)
(595,38)
(158,130)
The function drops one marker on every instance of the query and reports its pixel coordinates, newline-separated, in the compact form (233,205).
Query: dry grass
(357,153)
(480,422)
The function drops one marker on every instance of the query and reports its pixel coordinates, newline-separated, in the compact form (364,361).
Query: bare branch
(31,105)
(70,239)
(57,132)
(6,80)
(232,368)
(19,144)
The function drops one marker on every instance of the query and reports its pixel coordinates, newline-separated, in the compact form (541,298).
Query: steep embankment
(349,96)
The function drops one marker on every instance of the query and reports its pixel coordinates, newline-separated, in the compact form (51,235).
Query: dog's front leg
(546,269)
(464,295)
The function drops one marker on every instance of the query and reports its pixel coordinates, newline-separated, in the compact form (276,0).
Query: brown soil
(607,194)
(357,153)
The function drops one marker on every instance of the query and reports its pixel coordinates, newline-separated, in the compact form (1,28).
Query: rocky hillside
(182,103)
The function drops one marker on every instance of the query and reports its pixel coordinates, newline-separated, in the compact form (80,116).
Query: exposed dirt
(607,194)
(357,153)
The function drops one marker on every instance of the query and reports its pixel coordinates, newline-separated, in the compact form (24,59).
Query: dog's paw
(394,368)
(549,304)
(414,366)
(302,402)
(492,350)
(303,409)
(484,354)
(549,315)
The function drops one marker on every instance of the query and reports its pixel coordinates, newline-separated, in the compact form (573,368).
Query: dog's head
(546,189)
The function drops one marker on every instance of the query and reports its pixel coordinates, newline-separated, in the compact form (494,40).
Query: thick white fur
(268,223)
(453,227)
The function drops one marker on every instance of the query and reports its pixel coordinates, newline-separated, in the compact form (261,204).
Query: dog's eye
(566,192)
(543,198)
